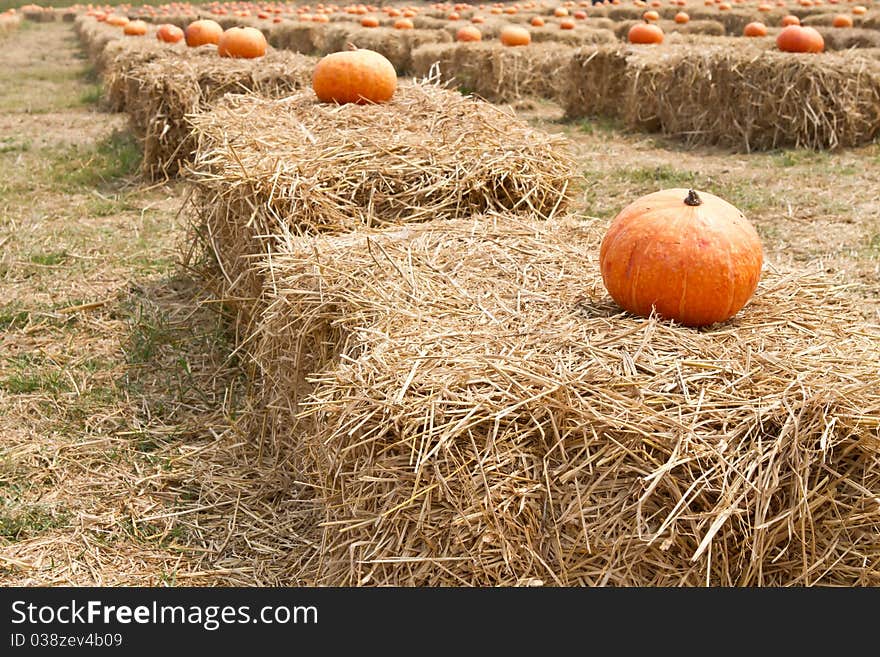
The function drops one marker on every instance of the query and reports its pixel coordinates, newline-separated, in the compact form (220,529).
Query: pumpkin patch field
(440,294)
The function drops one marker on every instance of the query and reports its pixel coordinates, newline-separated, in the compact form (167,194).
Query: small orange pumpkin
(645,33)
(790,20)
(651,16)
(691,256)
(842,20)
(242,42)
(169,33)
(354,76)
(202,32)
(755,29)
(514,35)
(681,18)
(135,28)
(403,24)
(468,33)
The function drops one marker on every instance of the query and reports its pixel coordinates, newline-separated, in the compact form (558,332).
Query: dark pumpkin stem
(693,199)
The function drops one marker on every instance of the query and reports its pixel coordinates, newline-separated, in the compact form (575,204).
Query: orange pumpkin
(116,20)
(842,20)
(468,33)
(690,256)
(795,38)
(135,28)
(202,32)
(354,76)
(682,18)
(403,24)
(242,42)
(645,33)
(790,20)
(859,10)
(169,33)
(537,21)
(755,29)
(651,16)
(369,21)
(566,24)
(514,35)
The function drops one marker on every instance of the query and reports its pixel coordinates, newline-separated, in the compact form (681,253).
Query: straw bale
(305,38)
(121,56)
(268,168)
(618,14)
(580,36)
(396,45)
(40,15)
(476,411)
(162,93)
(499,73)
(597,81)
(837,38)
(753,99)
(733,21)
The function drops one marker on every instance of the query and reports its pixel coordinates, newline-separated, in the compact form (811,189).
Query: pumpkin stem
(693,199)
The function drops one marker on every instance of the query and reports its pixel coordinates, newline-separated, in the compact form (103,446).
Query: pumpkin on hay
(514,35)
(135,28)
(169,33)
(354,76)
(795,38)
(202,32)
(645,33)
(690,256)
(243,42)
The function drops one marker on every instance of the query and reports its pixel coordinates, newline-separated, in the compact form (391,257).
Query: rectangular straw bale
(476,411)
(837,38)
(752,99)
(120,57)
(162,93)
(580,36)
(396,45)
(265,169)
(499,73)
(596,82)
(305,38)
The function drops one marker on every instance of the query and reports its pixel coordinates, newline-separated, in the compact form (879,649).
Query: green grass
(115,157)
(29,520)
(92,94)
(13,317)
(51,259)
(599,125)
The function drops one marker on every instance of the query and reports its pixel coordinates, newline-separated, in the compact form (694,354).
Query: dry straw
(750,98)
(480,413)
(395,45)
(161,93)
(265,169)
(499,73)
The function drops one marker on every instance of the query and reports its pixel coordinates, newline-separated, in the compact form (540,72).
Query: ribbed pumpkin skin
(354,76)
(696,265)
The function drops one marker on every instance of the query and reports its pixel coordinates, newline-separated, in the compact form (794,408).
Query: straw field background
(250,339)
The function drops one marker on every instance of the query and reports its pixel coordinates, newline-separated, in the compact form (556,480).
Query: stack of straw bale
(268,169)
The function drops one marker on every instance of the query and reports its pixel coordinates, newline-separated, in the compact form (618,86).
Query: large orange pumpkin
(514,35)
(690,256)
(645,33)
(795,38)
(169,33)
(202,32)
(354,76)
(243,42)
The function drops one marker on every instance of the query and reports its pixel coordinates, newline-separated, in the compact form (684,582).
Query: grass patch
(13,317)
(14,145)
(27,521)
(92,93)
(599,125)
(50,259)
(115,157)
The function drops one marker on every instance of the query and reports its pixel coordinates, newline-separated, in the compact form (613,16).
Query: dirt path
(115,448)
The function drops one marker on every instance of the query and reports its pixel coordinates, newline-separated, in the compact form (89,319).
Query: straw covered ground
(480,413)
(265,169)
(747,99)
